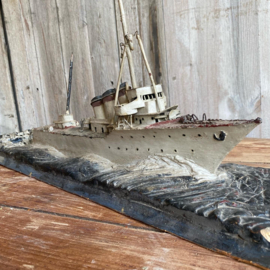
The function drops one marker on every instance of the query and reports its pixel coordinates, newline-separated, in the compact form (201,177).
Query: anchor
(222,136)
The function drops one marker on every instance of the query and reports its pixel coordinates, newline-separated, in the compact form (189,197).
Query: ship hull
(125,146)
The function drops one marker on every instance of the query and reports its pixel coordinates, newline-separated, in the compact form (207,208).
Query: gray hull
(124,146)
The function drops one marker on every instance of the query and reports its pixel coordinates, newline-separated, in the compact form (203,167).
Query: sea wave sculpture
(229,211)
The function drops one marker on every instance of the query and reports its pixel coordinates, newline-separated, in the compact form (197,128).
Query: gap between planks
(55,242)
(44,198)
(80,218)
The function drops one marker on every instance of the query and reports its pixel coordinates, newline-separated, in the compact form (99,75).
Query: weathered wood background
(212,56)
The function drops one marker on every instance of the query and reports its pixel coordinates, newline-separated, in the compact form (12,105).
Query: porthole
(154,136)
(126,149)
(161,150)
(131,137)
(137,149)
(118,148)
(192,150)
(175,150)
(199,135)
(169,136)
(122,137)
(109,147)
(184,135)
(143,136)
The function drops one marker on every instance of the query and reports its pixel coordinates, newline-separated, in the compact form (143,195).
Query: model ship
(132,123)
(144,159)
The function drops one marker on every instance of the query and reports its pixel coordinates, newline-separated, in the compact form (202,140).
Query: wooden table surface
(43,227)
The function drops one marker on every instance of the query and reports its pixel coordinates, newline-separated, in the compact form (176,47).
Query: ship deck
(76,131)
(170,124)
(45,227)
(179,123)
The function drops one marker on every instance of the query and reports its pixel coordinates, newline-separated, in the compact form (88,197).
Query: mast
(120,75)
(128,47)
(148,69)
(128,44)
(69,84)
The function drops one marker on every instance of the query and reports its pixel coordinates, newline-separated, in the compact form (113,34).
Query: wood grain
(250,150)
(211,56)
(264,41)
(8,115)
(44,227)
(24,63)
(49,52)
(30,240)
(41,197)
(74,38)
(103,44)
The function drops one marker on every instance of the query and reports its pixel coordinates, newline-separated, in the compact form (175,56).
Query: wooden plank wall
(211,56)
(8,115)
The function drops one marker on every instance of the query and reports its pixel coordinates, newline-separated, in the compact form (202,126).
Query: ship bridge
(142,101)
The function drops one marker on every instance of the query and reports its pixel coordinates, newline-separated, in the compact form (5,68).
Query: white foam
(174,165)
